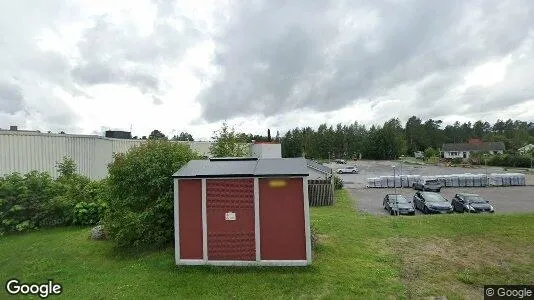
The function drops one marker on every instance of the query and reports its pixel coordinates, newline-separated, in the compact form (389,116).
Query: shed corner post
(257,218)
(176,222)
(204,223)
(307,219)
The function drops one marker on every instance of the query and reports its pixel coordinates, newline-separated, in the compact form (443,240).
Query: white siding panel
(26,151)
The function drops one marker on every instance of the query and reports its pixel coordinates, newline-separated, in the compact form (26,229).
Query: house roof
(318,167)
(243,167)
(484,146)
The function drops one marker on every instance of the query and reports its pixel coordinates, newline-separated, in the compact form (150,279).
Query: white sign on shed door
(229,216)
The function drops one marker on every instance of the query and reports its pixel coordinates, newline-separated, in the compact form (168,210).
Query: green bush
(457,161)
(338,182)
(140,212)
(509,160)
(36,200)
(88,213)
(431,152)
(25,200)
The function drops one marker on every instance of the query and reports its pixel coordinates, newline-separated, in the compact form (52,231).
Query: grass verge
(358,256)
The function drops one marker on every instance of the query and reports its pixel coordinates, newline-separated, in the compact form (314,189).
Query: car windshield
(398,198)
(432,181)
(434,197)
(475,199)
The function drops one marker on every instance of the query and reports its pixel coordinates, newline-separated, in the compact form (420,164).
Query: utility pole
(486,165)
(395,189)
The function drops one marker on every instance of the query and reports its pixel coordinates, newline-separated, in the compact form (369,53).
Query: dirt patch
(459,267)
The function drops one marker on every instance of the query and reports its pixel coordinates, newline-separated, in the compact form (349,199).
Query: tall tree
(228,143)
(183,136)
(156,135)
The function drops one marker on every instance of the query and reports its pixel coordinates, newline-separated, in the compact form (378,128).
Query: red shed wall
(230,239)
(282,226)
(190,221)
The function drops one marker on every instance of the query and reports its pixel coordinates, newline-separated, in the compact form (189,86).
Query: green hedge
(504,160)
(35,200)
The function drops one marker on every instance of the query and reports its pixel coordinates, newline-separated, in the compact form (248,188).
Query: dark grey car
(472,203)
(398,204)
(431,203)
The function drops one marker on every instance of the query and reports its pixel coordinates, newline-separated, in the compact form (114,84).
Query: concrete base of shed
(278,263)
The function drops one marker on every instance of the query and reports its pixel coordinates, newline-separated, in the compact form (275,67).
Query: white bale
(455,180)
(384,181)
(448,180)
(391,181)
(506,180)
(521,179)
(514,179)
(404,181)
(469,180)
(496,179)
(482,179)
(378,182)
(461,180)
(397,181)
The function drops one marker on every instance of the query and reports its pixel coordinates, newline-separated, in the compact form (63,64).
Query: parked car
(471,203)
(398,203)
(340,161)
(430,202)
(349,169)
(431,185)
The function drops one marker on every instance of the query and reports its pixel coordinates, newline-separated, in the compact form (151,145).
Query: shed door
(282,224)
(230,218)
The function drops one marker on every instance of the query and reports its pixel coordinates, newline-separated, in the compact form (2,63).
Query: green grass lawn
(359,256)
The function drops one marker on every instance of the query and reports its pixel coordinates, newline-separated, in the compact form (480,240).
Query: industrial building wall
(26,151)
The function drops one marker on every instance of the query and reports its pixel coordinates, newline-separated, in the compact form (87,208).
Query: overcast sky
(87,66)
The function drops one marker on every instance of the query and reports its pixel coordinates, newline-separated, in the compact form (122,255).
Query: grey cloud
(276,57)
(156,100)
(11,99)
(121,55)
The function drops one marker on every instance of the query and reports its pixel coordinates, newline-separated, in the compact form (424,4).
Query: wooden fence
(321,192)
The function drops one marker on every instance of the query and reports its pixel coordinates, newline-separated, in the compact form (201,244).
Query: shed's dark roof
(317,166)
(484,146)
(263,167)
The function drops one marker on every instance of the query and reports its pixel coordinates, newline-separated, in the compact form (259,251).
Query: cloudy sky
(84,66)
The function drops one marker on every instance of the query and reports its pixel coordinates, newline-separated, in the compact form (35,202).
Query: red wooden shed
(242,211)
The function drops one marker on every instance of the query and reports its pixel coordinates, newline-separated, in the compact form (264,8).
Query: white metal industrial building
(24,151)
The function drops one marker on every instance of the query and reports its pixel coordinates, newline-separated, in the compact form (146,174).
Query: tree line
(387,141)
(391,139)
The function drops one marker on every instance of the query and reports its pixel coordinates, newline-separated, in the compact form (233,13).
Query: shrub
(509,160)
(457,161)
(431,152)
(140,212)
(25,200)
(338,182)
(88,213)
(36,200)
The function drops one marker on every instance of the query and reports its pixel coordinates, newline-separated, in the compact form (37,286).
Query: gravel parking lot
(503,199)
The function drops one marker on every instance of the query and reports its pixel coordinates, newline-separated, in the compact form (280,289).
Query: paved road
(503,199)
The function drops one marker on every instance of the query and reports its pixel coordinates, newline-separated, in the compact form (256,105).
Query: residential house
(463,150)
